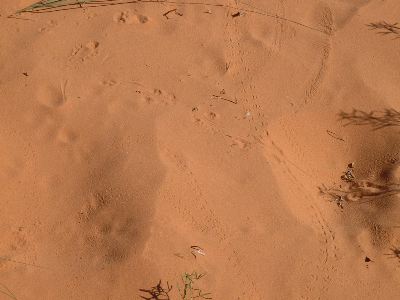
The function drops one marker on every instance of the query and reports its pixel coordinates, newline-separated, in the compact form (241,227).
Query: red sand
(127,137)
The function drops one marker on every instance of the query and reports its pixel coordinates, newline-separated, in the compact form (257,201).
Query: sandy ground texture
(264,132)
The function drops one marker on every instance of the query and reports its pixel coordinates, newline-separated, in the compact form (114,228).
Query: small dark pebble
(367,259)
(25,73)
(236,15)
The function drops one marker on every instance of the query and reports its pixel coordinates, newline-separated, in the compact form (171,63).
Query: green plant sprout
(47,4)
(189,292)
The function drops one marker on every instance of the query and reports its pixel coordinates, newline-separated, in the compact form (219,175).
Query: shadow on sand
(384,28)
(375,119)
(394,253)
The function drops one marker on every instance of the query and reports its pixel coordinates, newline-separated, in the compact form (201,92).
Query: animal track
(156,96)
(109,230)
(46,118)
(326,236)
(85,52)
(273,36)
(66,136)
(10,167)
(199,215)
(241,143)
(326,19)
(49,96)
(93,205)
(109,82)
(127,17)
(18,241)
(50,25)
(17,245)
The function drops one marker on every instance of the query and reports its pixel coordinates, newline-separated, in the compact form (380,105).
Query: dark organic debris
(157,292)
(237,14)
(197,250)
(348,175)
(175,10)
(225,99)
(334,135)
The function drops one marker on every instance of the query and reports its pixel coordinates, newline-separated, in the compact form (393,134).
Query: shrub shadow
(384,28)
(376,119)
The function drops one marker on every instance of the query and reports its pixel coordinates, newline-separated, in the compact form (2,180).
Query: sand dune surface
(249,146)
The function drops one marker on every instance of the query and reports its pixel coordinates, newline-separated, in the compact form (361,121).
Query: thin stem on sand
(59,5)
